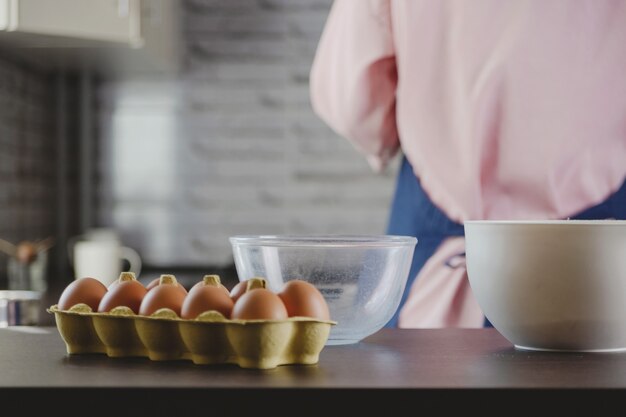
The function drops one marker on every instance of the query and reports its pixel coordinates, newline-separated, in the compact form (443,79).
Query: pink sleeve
(353,78)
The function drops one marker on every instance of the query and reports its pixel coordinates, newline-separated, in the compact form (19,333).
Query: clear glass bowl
(361,277)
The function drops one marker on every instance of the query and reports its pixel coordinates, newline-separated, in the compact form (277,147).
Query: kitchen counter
(417,365)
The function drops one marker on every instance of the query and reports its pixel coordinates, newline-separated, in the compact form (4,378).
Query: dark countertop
(437,363)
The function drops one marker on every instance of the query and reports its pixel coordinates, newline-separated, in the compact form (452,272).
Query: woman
(502,110)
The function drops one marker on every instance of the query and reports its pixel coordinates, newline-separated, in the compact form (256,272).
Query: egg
(86,290)
(207,295)
(238,290)
(303,299)
(156,281)
(241,287)
(213,280)
(125,291)
(167,294)
(258,303)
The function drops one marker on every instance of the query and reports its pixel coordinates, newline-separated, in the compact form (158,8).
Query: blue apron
(413,214)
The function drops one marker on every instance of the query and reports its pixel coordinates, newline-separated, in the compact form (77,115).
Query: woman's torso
(512,109)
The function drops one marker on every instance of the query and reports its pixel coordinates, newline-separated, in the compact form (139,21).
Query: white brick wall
(232,146)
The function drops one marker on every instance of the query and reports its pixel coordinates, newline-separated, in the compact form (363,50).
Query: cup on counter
(95,233)
(103,258)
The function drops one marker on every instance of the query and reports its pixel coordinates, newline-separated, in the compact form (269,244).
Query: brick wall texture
(231,145)
(27,156)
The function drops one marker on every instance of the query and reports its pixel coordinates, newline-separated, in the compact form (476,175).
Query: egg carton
(208,339)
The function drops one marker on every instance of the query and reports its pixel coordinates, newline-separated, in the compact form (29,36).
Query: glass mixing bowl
(362,278)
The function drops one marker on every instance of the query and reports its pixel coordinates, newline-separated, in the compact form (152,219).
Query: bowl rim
(568,222)
(323,240)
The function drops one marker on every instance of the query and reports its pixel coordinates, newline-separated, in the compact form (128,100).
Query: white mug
(101,233)
(94,233)
(103,260)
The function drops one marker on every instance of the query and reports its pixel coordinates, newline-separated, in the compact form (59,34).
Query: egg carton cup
(208,339)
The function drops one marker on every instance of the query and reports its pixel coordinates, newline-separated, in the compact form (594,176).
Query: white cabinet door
(115,21)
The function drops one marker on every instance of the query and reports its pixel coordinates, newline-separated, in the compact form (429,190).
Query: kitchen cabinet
(68,22)
(111,37)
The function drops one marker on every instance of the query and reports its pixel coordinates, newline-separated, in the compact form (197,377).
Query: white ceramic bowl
(362,278)
(551,285)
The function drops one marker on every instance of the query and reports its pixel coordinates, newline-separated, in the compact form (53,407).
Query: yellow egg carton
(208,339)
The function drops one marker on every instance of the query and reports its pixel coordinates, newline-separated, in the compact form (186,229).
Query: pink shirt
(505,109)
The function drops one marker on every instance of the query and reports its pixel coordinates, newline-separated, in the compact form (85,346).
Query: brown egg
(213,280)
(241,287)
(127,292)
(85,290)
(238,290)
(259,303)
(303,299)
(203,298)
(167,294)
(155,282)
